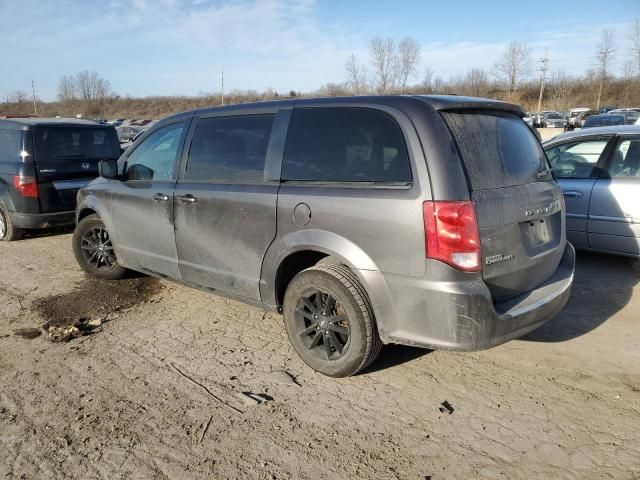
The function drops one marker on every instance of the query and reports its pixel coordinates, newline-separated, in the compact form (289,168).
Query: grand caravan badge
(497,259)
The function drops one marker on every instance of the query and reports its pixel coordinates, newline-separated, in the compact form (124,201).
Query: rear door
(225,205)
(518,203)
(66,158)
(614,216)
(576,164)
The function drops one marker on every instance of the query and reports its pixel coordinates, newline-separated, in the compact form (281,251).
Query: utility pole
(33,91)
(222,84)
(543,76)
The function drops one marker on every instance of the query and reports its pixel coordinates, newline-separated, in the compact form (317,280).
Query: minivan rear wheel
(329,320)
(8,232)
(93,249)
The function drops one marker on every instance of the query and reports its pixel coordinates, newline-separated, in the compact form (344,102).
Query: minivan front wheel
(93,249)
(8,232)
(329,320)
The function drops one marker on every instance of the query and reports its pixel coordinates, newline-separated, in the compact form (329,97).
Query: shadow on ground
(603,286)
(393,355)
(47,232)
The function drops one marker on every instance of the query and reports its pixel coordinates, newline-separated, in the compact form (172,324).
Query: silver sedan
(599,172)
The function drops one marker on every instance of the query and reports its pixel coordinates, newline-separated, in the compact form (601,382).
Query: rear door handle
(160,197)
(572,193)
(188,198)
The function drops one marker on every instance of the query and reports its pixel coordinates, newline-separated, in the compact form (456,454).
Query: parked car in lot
(43,163)
(603,120)
(599,172)
(429,221)
(573,115)
(631,116)
(582,117)
(127,133)
(552,120)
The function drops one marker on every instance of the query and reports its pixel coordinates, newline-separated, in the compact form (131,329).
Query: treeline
(393,67)
(561,93)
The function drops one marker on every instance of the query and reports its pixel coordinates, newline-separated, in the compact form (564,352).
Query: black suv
(43,163)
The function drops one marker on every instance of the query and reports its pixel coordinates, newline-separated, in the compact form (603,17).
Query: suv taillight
(452,235)
(26,186)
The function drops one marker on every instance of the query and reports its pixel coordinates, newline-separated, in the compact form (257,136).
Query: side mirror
(108,168)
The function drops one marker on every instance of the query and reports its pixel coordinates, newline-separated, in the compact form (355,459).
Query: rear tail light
(452,235)
(26,186)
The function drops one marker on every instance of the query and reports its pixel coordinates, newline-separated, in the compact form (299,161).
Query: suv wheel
(330,321)
(7,231)
(94,251)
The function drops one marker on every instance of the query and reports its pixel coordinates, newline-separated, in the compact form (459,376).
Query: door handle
(160,197)
(188,198)
(572,193)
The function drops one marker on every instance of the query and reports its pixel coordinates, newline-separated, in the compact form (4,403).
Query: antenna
(222,85)
(543,75)
(33,91)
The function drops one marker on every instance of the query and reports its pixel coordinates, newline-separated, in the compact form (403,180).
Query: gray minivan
(431,221)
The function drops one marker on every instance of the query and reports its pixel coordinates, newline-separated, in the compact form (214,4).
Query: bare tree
(635,43)
(513,65)
(606,49)
(558,89)
(356,75)
(383,57)
(627,80)
(88,88)
(476,82)
(438,85)
(427,80)
(407,61)
(66,89)
(19,96)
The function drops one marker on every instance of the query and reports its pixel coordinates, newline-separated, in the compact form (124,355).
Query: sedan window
(576,159)
(626,159)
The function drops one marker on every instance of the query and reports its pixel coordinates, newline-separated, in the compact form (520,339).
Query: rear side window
(12,144)
(230,149)
(626,159)
(498,149)
(345,145)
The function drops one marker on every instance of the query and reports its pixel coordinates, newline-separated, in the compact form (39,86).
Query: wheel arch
(289,255)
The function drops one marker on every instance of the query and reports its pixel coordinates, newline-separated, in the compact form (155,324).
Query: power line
(543,75)
(33,91)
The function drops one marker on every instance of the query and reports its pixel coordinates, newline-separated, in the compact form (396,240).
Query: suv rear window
(62,145)
(337,144)
(498,149)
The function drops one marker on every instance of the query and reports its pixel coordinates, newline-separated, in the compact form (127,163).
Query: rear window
(498,149)
(338,144)
(61,145)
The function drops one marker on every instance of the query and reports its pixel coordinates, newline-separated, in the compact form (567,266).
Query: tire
(94,251)
(8,232)
(636,266)
(331,297)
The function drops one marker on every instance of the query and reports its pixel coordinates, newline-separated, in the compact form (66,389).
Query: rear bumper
(43,220)
(460,314)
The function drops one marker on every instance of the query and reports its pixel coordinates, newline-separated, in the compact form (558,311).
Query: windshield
(555,116)
(498,149)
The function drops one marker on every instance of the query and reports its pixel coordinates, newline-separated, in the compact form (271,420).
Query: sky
(177,47)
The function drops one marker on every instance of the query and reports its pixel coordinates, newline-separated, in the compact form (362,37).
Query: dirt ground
(156,389)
